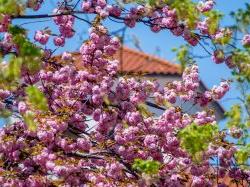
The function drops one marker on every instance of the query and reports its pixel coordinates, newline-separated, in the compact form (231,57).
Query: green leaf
(15,30)
(227,35)
(5,113)
(242,17)
(28,52)
(11,7)
(183,55)
(37,98)
(146,166)
(248,99)
(143,109)
(29,121)
(186,11)
(242,155)
(152,2)
(26,48)
(234,116)
(32,64)
(195,139)
(13,70)
(248,123)
(242,60)
(213,19)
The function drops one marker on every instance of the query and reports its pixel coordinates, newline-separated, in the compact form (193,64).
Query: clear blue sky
(210,73)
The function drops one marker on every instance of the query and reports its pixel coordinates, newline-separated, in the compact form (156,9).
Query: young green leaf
(195,139)
(29,121)
(146,166)
(37,98)
(11,7)
(13,70)
(234,116)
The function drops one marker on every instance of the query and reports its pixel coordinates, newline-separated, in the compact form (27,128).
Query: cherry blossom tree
(85,124)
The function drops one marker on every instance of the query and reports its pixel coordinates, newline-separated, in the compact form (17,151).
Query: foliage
(186,11)
(242,59)
(195,139)
(183,55)
(146,166)
(13,70)
(12,7)
(30,53)
(213,18)
(243,18)
(36,98)
(235,116)
(29,120)
(242,155)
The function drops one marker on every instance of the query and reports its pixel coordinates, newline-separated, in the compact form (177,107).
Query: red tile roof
(134,61)
(138,62)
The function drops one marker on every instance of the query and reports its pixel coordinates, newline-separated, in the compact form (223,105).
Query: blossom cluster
(96,123)
(71,151)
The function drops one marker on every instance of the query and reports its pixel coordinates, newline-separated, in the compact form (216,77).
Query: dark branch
(154,105)
(83,155)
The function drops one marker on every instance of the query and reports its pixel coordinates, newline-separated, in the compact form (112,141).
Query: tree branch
(83,155)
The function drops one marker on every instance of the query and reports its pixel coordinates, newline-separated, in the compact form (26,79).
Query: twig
(86,21)
(76,4)
(26,23)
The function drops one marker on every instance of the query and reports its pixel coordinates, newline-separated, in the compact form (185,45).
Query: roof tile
(138,62)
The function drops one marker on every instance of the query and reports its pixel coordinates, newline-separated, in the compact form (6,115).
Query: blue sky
(164,41)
